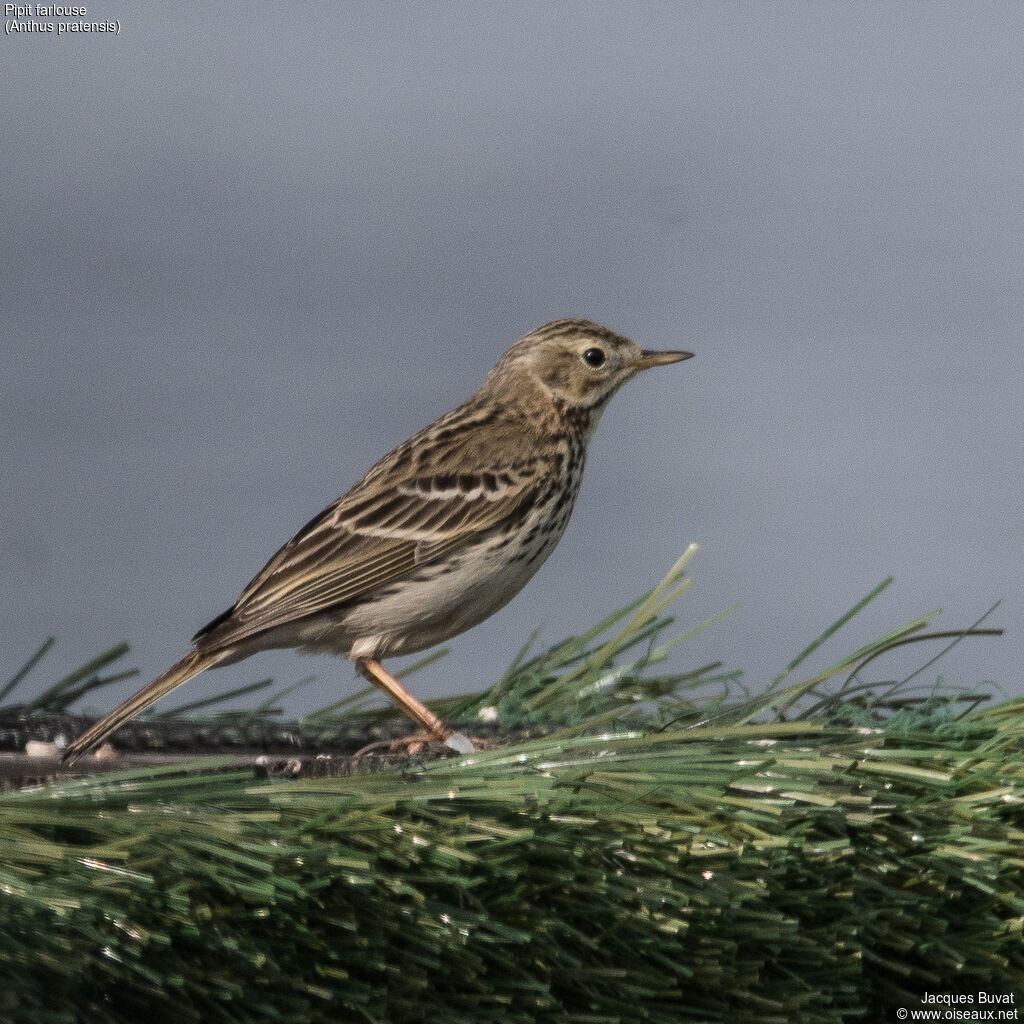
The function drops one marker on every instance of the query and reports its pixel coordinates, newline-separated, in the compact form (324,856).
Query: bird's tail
(181,672)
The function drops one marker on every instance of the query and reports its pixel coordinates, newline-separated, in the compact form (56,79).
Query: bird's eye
(594,357)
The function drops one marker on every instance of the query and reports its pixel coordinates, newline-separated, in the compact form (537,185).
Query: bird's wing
(384,527)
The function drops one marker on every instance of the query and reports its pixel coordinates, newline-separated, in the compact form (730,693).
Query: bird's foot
(455,742)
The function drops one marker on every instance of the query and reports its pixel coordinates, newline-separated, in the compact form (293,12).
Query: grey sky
(249,248)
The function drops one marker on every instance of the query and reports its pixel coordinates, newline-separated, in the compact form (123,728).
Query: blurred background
(247,249)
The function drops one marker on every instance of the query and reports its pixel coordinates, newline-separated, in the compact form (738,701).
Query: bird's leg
(377,674)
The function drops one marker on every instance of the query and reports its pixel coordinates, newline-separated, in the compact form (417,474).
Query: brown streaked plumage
(438,535)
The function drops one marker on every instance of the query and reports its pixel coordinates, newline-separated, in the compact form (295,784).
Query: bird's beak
(648,359)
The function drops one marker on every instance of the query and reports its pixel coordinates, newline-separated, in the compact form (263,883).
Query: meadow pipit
(438,535)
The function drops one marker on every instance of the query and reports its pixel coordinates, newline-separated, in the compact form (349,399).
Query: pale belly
(436,601)
(442,600)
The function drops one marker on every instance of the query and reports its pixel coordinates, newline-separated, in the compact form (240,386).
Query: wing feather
(383,528)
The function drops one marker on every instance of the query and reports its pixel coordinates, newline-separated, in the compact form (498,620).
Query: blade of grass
(82,680)
(829,632)
(18,676)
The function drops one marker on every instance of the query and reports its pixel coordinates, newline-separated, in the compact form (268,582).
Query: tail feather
(181,672)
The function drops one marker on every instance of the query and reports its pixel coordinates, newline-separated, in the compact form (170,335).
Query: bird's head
(579,363)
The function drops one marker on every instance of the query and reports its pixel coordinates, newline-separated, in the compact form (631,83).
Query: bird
(437,536)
